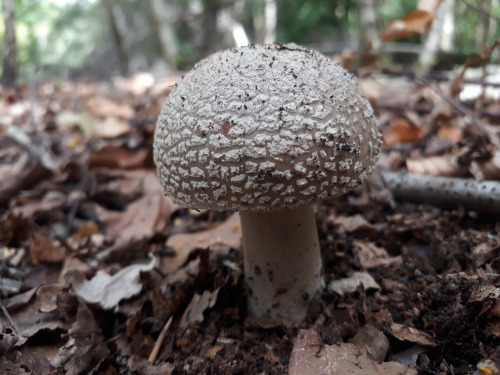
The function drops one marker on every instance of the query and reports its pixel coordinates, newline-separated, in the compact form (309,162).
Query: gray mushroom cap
(264,127)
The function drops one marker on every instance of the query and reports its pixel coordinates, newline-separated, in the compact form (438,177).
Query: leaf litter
(94,260)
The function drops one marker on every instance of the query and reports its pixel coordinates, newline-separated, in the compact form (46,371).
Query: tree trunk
(166,13)
(9,75)
(270,16)
(212,40)
(369,43)
(433,41)
(117,37)
(229,25)
(446,42)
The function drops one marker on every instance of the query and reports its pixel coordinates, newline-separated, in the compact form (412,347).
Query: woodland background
(71,39)
(100,273)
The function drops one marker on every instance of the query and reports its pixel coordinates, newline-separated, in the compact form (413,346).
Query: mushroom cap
(264,127)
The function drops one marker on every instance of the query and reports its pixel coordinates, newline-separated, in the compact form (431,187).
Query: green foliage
(316,20)
(51,35)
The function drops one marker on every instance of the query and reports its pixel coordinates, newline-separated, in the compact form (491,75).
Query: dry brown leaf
(108,290)
(20,174)
(352,224)
(310,357)
(481,293)
(72,263)
(405,333)
(402,131)
(372,342)
(412,23)
(50,202)
(28,360)
(141,366)
(108,108)
(114,156)
(142,218)
(85,347)
(110,127)
(446,166)
(47,296)
(199,303)
(369,255)
(19,300)
(454,134)
(491,168)
(224,235)
(30,319)
(351,283)
(44,250)
(65,120)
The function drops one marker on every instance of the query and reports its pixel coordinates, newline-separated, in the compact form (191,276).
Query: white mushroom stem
(282,262)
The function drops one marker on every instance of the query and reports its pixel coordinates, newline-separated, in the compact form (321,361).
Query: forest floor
(102,274)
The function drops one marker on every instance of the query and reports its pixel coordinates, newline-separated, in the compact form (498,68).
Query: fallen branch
(445,192)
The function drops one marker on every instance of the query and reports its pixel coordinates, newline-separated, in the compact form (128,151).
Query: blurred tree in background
(102,38)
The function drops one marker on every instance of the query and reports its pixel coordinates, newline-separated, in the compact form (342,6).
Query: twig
(156,349)
(445,192)
(462,110)
(479,10)
(9,318)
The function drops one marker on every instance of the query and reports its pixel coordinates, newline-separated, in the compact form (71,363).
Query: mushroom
(268,130)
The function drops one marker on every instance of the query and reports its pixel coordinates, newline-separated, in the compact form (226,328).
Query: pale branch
(445,192)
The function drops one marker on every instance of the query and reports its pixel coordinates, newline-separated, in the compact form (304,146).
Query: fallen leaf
(412,23)
(124,249)
(19,300)
(310,357)
(143,217)
(368,255)
(47,296)
(142,366)
(72,263)
(371,341)
(199,303)
(67,119)
(111,127)
(405,333)
(44,250)
(402,131)
(106,108)
(30,319)
(85,346)
(222,236)
(446,166)
(115,156)
(351,284)
(452,133)
(9,286)
(21,174)
(352,224)
(482,293)
(30,360)
(108,290)
(50,202)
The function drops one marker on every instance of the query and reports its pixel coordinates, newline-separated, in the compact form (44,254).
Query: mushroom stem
(282,262)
